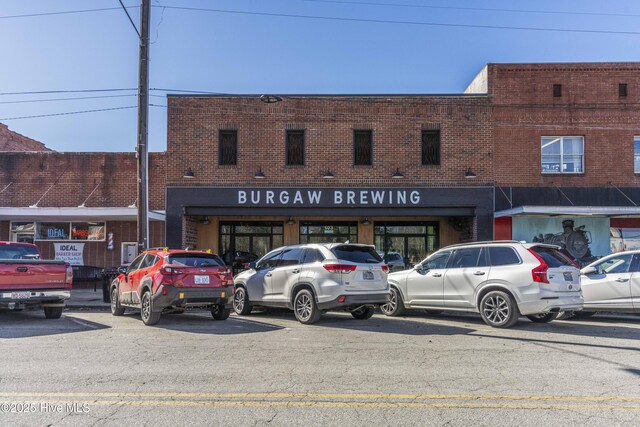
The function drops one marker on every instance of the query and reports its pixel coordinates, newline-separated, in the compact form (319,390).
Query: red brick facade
(13,141)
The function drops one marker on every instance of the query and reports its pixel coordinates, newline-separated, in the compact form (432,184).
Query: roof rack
(485,242)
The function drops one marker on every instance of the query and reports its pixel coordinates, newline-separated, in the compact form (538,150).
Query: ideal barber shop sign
(70,252)
(329,197)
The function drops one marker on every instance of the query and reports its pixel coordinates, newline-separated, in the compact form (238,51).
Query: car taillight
(340,268)
(170,270)
(539,273)
(385,268)
(68,277)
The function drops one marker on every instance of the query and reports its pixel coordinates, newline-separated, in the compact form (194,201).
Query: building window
(636,154)
(622,90)
(362,147)
(245,242)
(557,90)
(70,231)
(295,147)
(228,147)
(328,232)
(562,154)
(431,147)
(404,244)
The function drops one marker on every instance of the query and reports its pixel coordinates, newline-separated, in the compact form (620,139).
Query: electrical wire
(130,20)
(482,9)
(385,21)
(66,113)
(64,12)
(68,99)
(42,92)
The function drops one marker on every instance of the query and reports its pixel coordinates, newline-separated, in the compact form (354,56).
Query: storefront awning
(604,211)
(76,214)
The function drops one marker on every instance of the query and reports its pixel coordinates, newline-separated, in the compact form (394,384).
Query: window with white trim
(636,154)
(562,154)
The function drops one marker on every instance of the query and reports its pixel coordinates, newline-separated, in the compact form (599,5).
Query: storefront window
(624,239)
(70,231)
(328,232)
(406,244)
(245,242)
(23,232)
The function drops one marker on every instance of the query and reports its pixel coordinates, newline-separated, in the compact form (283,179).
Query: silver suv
(313,278)
(502,280)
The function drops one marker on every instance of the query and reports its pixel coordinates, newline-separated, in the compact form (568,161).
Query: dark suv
(164,279)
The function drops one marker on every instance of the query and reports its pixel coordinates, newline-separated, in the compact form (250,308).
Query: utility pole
(142,150)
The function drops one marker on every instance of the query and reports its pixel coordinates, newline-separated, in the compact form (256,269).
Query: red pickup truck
(26,281)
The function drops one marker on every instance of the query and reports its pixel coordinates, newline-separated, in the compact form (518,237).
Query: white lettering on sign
(340,197)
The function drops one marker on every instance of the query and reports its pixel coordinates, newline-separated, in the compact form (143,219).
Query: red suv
(160,279)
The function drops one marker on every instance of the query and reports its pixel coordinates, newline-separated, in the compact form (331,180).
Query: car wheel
(363,313)
(53,312)
(542,317)
(583,314)
(241,302)
(395,306)
(219,312)
(149,317)
(499,310)
(116,310)
(305,308)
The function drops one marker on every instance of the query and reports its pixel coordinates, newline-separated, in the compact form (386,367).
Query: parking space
(415,369)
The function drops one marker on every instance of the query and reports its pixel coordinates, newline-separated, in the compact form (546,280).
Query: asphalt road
(90,368)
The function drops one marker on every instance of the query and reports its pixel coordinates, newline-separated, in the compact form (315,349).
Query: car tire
(305,307)
(53,312)
(219,312)
(363,313)
(395,306)
(241,302)
(583,314)
(499,310)
(433,312)
(149,317)
(542,317)
(116,310)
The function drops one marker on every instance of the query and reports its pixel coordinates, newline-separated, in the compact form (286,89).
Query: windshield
(195,260)
(361,254)
(18,252)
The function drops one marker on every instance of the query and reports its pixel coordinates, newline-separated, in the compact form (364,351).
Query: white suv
(313,278)
(502,280)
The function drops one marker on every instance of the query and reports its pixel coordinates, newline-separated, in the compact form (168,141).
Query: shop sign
(69,252)
(329,197)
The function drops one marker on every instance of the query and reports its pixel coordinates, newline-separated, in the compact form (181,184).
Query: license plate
(20,295)
(367,275)
(568,277)
(202,280)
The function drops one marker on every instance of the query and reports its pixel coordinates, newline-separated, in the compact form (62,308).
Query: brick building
(80,203)
(567,153)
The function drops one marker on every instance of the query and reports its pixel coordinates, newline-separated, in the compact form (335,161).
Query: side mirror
(253,265)
(122,269)
(588,270)
(418,267)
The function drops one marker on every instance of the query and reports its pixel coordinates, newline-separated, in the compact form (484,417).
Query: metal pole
(143,131)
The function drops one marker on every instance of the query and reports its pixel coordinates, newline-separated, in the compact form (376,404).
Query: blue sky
(243,53)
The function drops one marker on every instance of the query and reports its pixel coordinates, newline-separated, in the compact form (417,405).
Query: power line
(42,92)
(385,21)
(64,12)
(129,16)
(67,113)
(67,99)
(482,9)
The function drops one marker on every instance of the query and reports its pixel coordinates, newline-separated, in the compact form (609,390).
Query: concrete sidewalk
(87,299)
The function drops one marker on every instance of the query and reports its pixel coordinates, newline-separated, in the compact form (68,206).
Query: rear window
(362,254)
(503,255)
(394,257)
(18,252)
(195,260)
(553,257)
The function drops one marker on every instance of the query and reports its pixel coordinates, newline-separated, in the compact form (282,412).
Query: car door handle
(296,271)
(479,273)
(622,280)
(22,269)
(437,275)
(268,274)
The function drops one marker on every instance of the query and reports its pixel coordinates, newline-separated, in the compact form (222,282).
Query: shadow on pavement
(32,323)
(378,324)
(203,324)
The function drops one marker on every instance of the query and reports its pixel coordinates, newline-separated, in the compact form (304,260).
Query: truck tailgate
(32,274)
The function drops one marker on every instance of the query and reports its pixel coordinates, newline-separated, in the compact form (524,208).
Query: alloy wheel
(496,309)
(238,300)
(146,306)
(114,299)
(391,305)
(303,307)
